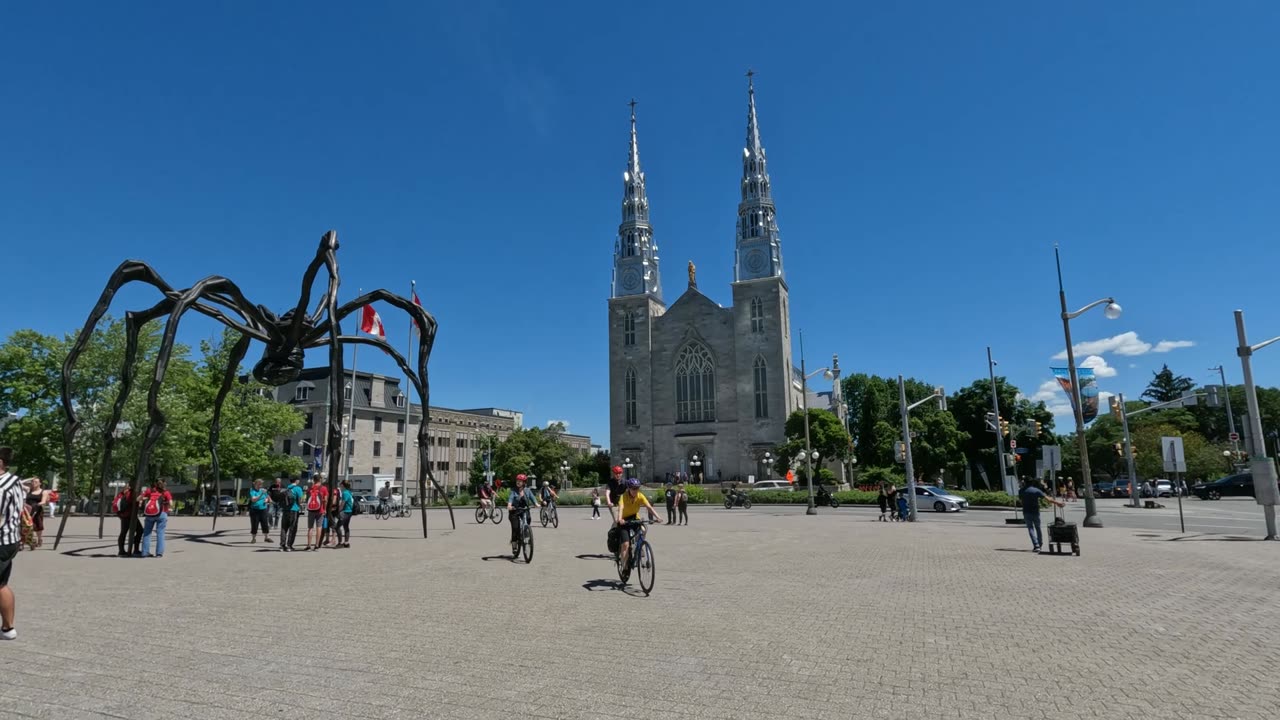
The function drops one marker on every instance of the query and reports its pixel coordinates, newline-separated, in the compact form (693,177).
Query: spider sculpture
(286,338)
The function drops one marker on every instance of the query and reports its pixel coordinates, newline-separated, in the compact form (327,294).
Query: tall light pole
(1112,311)
(999,429)
(1264,472)
(804,397)
(768,465)
(905,409)
(837,400)
(695,468)
(1231,420)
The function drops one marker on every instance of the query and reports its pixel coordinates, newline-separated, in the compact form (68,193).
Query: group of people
(328,514)
(894,505)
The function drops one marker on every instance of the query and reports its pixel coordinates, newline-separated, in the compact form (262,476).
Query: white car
(770,485)
(928,496)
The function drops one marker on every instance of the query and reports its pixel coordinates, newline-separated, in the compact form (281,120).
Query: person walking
(12,500)
(682,505)
(883,499)
(317,497)
(333,516)
(276,494)
(36,499)
(346,507)
(156,503)
(258,513)
(670,496)
(595,503)
(290,505)
(1030,495)
(124,508)
(891,499)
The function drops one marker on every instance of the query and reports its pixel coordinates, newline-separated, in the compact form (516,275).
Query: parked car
(928,496)
(1103,489)
(1229,486)
(1120,489)
(771,485)
(1162,488)
(368,503)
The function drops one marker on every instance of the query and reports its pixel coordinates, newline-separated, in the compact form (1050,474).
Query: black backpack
(356,507)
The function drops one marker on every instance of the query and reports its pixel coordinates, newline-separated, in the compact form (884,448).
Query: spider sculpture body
(286,338)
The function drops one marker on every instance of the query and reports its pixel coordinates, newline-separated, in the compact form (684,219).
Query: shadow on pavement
(596,556)
(1216,538)
(1021,550)
(79,553)
(598,585)
(487,558)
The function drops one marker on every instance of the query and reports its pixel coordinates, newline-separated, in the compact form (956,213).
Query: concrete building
(695,378)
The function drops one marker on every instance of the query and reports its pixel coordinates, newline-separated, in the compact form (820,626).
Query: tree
(970,406)
(826,435)
(531,451)
(1166,386)
(1204,460)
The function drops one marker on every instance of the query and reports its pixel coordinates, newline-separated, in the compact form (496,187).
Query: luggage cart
(1062,533)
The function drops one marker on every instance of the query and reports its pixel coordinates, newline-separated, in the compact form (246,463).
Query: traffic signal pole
(1128,451)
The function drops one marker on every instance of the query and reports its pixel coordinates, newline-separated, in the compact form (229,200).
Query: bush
(988,498)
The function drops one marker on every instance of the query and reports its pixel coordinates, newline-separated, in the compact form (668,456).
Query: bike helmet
(521,477)
(617,469)
(633,482)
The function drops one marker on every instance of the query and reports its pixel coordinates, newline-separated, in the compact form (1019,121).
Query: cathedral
(695,387)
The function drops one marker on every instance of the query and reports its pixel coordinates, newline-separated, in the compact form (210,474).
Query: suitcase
(1062,533)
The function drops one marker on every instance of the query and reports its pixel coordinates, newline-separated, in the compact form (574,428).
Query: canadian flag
(417,302)
(371,323)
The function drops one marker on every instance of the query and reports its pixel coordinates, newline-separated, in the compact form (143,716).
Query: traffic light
(1035,426)
(900,451)
(1004,427)
(1119,449)
(1133,451)
(1116,411)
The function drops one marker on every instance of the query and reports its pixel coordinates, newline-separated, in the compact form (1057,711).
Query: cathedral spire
(759,249)
(635,255)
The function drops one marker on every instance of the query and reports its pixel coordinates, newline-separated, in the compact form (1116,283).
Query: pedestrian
(317,495)
(332,517)
(125,509)
(12,500)
(903,509)
(36,499)
(891,499)
(258,514)
(670,496)
(883,499)
(1071,492)
(289,509)
(278,495)
(156,503)
(1030,495)
(595,503)
(346,506)
(682,504)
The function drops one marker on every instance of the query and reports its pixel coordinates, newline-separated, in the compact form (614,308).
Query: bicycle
(402,511)
(384,511)
(491,513)
(524,545)
(549,514)
(641,556)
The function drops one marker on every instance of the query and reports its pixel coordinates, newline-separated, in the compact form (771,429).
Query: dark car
(1120,489)
(1103,489)
(1231,485)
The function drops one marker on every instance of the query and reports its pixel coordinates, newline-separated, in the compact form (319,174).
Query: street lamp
(627,466)
(1111,311)
(564,474)
(695,465)
(1265,491)
(941,396)
(768,465)
(804,397)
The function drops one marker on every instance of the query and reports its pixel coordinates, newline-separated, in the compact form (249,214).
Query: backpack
(356,507)
(154,504)
(313,499)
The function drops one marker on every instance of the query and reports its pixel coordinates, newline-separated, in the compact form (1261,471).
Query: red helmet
(617,469)
(521,478)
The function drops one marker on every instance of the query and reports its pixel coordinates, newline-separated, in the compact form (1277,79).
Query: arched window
(629,328)
(629,247)
(629,396)
(695,385)
(760,379)
(757,315)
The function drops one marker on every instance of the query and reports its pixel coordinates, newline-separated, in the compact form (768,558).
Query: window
(460,442)
(400,426)
(311,421)
(460,466)
(399,449)
(287,447)
(761,380)
(400,400)
(350,469)
(695,385)
(376,469)
(346,393)
(377,423)
(301,393)
(757,315)
(629,328)
(377,448)
(629,396)
(629,245)
(399,474)
(351,448)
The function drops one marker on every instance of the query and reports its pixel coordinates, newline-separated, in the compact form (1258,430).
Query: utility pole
(995,408)
(906,439)
(1231,421)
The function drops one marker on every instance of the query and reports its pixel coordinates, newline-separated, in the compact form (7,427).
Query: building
(377,440)
(695,378)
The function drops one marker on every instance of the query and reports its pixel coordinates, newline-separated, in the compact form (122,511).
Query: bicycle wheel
(528,543)
(646,570)
(384,513)
(555,518)
(481,515)
(495,515)
(542,517)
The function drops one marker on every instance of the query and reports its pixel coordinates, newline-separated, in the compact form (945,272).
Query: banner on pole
(1088,395)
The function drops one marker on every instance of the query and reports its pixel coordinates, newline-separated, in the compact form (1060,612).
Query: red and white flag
(417,302)
(371,323)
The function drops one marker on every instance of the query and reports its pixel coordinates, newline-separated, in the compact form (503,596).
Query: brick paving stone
(757,614)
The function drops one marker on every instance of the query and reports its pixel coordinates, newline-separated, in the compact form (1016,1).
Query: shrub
(988,498)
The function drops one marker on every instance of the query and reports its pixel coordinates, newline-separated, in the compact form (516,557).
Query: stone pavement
(764,613)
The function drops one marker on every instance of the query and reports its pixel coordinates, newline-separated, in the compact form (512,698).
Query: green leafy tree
(970,406)
(1204,459)
(531,451)
(826,435)
(1166,386)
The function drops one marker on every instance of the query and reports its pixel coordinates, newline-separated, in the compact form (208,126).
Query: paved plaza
(762,614)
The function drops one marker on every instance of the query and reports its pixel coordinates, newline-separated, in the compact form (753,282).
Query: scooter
(737,498)
(822,497)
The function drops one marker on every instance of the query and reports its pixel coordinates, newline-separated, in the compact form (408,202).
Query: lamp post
(695,468)
(1112,311)
(811,457)
(1265,491)
(1231,420)
(348,428)
(768,465)
(804,398)
(564,474)
(627,466)
(904,409)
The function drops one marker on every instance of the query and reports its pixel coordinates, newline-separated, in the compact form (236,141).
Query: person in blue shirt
(1030,495)
(258,516)
(343,530)
(904,507)
(289,516)
(520,498)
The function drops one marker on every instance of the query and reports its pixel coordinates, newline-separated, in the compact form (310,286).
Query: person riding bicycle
(520,498)
(384,497)
(486,495)
(614,490)
(548,494)
(629,506)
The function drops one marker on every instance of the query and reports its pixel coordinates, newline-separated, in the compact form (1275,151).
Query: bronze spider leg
(128,272)
(215,427)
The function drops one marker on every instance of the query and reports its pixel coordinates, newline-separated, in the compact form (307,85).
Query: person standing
(345,508)
(156,503)
(1030,495)
(258,517)
(276,494)
(891,498)
(883,499)
(36,499)
(333,516)
(12,500)
(670,496)
(595,503)
(123,508)
(317,495)
(682,505)
(289,508)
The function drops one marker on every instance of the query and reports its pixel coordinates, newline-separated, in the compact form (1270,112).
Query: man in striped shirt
(12,496)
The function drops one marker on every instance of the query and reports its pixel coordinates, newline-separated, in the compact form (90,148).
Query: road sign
(1013,444)
(1234,437)
(1171,451)
(1051,456)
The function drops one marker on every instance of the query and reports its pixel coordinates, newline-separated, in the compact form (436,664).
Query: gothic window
(629,397)
(629,328)
(629,245)
(760,379)
(757,315)
(695,385)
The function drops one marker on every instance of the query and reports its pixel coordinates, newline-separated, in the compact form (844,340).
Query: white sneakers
(10,634)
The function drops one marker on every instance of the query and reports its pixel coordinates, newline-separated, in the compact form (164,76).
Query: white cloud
(1055,401)
(1165,346)
(1100,367)
(562,422)
(1126,343)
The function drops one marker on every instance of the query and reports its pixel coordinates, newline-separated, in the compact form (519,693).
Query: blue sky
(925,158)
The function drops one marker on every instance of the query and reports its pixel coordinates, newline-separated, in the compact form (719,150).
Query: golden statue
(693,275)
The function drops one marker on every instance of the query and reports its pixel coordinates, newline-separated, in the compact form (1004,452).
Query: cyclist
(517,502)
(384,497)
(486,495)
(614,490)
(548,495)
(628,512)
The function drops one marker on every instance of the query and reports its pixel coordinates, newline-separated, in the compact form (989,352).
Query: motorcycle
(737,498)
(822,497)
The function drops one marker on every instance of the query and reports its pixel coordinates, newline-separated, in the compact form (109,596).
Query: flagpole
(408,404)
(349,436)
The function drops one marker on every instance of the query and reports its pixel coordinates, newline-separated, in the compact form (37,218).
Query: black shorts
(7,554)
